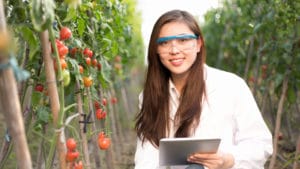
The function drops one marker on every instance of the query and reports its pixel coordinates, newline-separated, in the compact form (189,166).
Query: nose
(173,49)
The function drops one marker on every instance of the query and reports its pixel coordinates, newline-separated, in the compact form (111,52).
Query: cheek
(192,56)
(163,60)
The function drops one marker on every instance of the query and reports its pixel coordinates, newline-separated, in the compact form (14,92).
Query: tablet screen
(174,151)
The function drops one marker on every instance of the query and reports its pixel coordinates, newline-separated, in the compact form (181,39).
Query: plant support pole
(10,104)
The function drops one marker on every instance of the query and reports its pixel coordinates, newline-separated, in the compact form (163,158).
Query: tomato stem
(59,123)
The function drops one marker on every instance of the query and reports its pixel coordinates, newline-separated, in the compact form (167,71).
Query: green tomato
(66,77)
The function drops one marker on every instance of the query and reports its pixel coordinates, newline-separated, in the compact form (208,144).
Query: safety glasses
(182,42)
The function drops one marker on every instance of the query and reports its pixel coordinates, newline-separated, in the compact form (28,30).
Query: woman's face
(177,48)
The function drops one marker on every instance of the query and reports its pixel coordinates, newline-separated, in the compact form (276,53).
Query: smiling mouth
(176,61)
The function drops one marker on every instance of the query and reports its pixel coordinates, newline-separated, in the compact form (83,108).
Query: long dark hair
(152,122)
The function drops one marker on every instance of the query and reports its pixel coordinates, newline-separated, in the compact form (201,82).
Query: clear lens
(181,42)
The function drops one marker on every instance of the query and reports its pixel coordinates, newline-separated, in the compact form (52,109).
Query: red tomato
(88,60)
(94,62)
(78,165)
(96,104)
(62,51)
(104,101)
(73,51)
(114,100)
(65,33)
(99,114)
(39,88)
(71,144)
(101,135)
(58,43)
(87,52)
(118,58)
(103,114)
(80,69)
(104,143)
(72,155)
(99,66)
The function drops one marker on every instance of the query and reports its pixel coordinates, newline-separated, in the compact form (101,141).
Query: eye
(185,39)
(164,43)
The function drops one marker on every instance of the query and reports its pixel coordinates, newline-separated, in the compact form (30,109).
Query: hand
(212,160)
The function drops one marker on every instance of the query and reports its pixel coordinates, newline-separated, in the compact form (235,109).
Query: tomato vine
(83,38)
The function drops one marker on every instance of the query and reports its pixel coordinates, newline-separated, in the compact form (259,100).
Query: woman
(184,97)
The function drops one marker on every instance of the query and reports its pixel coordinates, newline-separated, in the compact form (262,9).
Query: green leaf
(71,14)
(43,114)
(42,13)
(81,26)
(257,27)
(291,95)
(241,50)
(105,70)
(30,37)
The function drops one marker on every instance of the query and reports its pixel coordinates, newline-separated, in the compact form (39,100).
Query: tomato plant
(83,37)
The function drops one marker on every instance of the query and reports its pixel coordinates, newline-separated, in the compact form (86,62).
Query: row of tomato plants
(84,74)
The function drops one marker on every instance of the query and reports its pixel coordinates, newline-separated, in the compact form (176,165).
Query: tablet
(174,151)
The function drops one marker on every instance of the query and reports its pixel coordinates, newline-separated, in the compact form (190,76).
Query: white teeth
(176,60)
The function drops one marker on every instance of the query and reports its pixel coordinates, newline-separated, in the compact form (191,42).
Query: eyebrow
(182,36)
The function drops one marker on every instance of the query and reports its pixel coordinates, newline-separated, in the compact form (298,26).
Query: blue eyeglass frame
(183,36)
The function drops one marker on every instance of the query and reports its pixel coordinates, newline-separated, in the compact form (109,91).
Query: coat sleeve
(146,156)
(252,140)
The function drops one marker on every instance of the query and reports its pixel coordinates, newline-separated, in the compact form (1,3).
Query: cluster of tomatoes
(100,110)
(103,141)
(90,61)
(72,154)
(63,50)
(64,34)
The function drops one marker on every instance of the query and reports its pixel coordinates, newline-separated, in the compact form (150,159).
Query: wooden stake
(11,108)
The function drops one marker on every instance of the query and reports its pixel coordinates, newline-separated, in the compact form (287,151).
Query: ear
(199,44)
